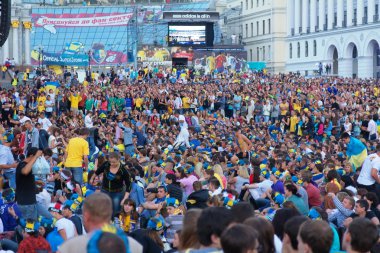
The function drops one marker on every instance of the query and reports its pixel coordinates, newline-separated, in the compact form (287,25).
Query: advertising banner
(191,16)
(80,20)
(64,60)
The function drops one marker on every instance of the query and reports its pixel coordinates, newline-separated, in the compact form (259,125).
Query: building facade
(258,25)
(17,46)
(343,34)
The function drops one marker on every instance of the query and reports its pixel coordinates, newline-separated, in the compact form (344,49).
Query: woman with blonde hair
(237,182)
(218,173)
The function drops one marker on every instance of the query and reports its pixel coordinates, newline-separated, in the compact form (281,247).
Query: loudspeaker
(5,20)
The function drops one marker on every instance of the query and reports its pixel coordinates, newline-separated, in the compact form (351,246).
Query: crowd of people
(167,160)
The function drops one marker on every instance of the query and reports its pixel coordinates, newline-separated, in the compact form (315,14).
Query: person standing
(116,181)
(125,125)
(76,154)
(32,136)
(26,186)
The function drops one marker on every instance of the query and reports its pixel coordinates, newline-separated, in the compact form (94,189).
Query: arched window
(290,51)
(315,48)
(298,50)
(306,49)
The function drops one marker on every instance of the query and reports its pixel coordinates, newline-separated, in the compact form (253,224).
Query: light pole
(89,64)
(136,37)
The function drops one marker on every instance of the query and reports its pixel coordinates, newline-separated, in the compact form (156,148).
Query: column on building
(371,10)
(290,16)
(5,51)
(330,14)
(322,13)
(15,25)
(313,15)
(365,66)
(297,16)
(345,67)
(378,13)
(305,15)
(359,11)
(27,28)
(350,12)
(340,13)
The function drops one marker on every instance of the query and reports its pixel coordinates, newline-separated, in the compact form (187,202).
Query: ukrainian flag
(51,86)
(356,151)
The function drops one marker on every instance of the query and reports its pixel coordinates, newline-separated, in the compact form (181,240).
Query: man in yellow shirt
(138,103)
(186,103)
(293,122)
(75,98)
(76,154)
(41,98)
(284,107)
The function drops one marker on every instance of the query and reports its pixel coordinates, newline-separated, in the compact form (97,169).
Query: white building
(259,25)
(343,33)
(17,46)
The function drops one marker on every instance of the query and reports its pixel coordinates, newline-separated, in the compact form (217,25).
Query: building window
(246,30)
(315,48)
(290,51)
(251,4)
(298,50)
(257,28)
(250,54)
(257,3)
(306,49)
(263,27)
(263,53)
(246,4)
(257,54)
(263,2)
(269,53)
(251,29)
(269,28)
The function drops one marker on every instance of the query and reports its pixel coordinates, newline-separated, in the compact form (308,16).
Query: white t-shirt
(262,188)
(372,161)
(24,119)
(49,106)
(45,123)
(88,121)
(67,225)
(44,199)
(50,141)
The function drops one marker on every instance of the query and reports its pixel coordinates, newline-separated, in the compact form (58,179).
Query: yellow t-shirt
(76,150)
(186,102)
(297,107)
(85,83)
(41,99)
(284,108)
(75,101)
(139,102)
(41,108)
(376,91)
(293,123)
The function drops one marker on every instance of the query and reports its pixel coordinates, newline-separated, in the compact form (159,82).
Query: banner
(220,59)
(65,60)
(191,16)
(50,21)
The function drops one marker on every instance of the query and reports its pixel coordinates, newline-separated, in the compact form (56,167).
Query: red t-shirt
(314,195)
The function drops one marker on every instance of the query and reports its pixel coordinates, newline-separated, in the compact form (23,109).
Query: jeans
(266,118)
(91,145)
(116,197)
(11,176)
(7,244)
(28,211)
(77,174)
(128,110)
(42,211)
(130,149)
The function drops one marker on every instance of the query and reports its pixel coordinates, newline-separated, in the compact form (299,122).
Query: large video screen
(187,35)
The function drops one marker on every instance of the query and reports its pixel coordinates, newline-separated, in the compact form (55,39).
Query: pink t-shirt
(188,183)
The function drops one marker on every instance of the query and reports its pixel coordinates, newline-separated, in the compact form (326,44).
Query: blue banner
(257,65)
(65,59)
